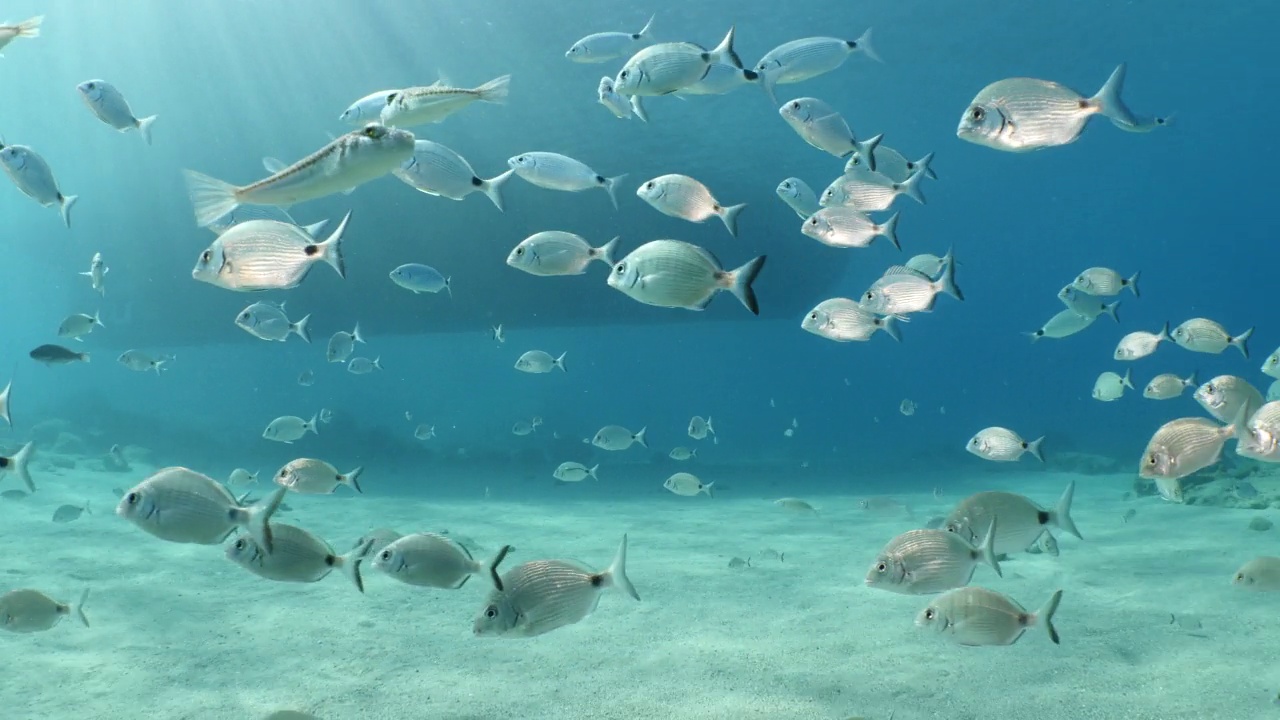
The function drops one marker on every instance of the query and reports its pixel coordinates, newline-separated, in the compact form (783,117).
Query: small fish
(52,355)
(347,162)
(559,172)
(1261,574)
(78,325)
(29,28)
(900,291)
(1110,386)
(363,365)
(96,272)
(342,344)
(240,476)
(433,103)
(288,428)
(1206,336)
(1167,386)
(683,197)
(316,477)
(1139,344)
(883,505)
(738,563)
(183,506)
(367,109)
(818,124)
(421,278)
(1244,490)
(844,227)
(892,163)
(109,105)
(13,494)
(326,416)
(907,407)
(870,191)
(1225,396)
(977,616)
(1105,282)
(523,428)
(1002,445)
(497,334)
(616,437)
(1064,324)
(539,362)
(1260,439)
(799,60)
(1181,447)
(798,196)
(607,96)
(1128,515)
(28,611)
(140,361)
(267,255)
(431,560)
(1145,123)
(33,176)
(700,428)
(1047,544)
(306,378)
(437,170)
(540,596)
(792,504)
(554,252)
(605,46)
(70,513)
(1088,305)
(268,321)
(664,68)
(296,556)
(688,485)
(570,472)
(683,453)
(1024,114)
(424,432)
(923,562)
(671,273)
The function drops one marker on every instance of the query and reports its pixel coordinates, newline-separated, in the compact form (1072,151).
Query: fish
(820,125)
(737,563)
(183,506)
(1025,114)
(52,355)
(1184,446)
(296,556)
(799,60)
(683,197)
(1105,282)
(907,407)
(70,513)
(570,472)
(664,68)
(845,227)
(288,428)
(140,361)
(342,344)
(1003,445)
(978,616)
(1139,344)
(871,191)
(29,28)
(616,437)
(1088,305)
(798,196)
(605,46)
(1047,544)
(32,175)
(524,427)
(379,539)
(19,464)
(433,103)
(1110,386)
(607,96)
(97,269)
(109,105)
(1224,396)
(268,321)
(437,170)
(683,453)
(316,477)
(1261,574)
(1167,386)
(1146,123)
(924,562)
(700,428)
(1064,324)
(794,505)
(431,560)
(424,432)
(497,334)
(554,171)
(892,163)
(538,362)
(675,274)
(1260,439)
(555,252)
(420,278)
(900,291)
(1021,520)
(13,494)
(368,108)
(843,320)
(345,163)
(240,476)
(721,79)
(1244,490)
(688,485)
(267,255)
(78,325)
(28,611)
(1206,336)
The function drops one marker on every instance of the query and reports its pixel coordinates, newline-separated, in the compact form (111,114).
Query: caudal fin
(30,27)
(64,207)
(300,328)
(1108,99)
(1033,447)
(863,44)
(4,404)
(948,278)
(331,248)
(144,128)
(495,91)
(889,324)
(491,567)
(1132,283)
(867,149)
(911,186)
(604,253)
(988,549)
(729,214)
(610,186)
(20,463)
(639,437)
(492,188)
(1044,616)
(352,479)
(889,230)
(742,279)
(616,575)
(350,562)
(724,52)
(211,197)
(78,608)
(1241,342)
(1062,511)
(257,519)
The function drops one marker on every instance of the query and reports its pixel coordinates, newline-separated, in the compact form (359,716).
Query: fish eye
(929,614)
(240,544)
(131,498)
(206,256)
(1239,577)
(881,567)
(648,185)
(372,131)
(621,268)
(813,315)
(624,74)
(795,104)
(1151,458)
(519,251)
(385,555)
(871,296)
(976,114)
(813,221)
(491,612)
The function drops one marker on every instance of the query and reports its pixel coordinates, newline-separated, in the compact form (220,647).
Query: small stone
(1260,524)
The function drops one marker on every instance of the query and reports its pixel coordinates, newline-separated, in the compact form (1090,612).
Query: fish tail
(639,437)
(97,319)
(729,214)
(988,549)
(1132,283)
(948,278)
(611,186)
(301,330)
(923,164)
(350,562)
(211,197)
(1035,336)
(314,229)
(1191,380)
(604,253)
(1033,447)
(78,608)
(741,288)
(1108,101)
(331,248)
(4,403)
(707,488)
(492,189)
(1062,511)
(257,519)
(724,52)
(144,128)
(311,424)
(768,79)
(1044,616)
(355,335)
(64,207)
(617,572)
(890,231)
(559,362)
(21,461)
(352,479)
(867,149)
(30,27)
(592,473)
(709,428)
(1241,342)
(1113,310)
(637,108)
(492,567)
(495,91)
(890,325)
(911,186)
(646,32)
(863,43)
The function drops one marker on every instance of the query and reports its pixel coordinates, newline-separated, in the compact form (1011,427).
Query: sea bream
(1019,520)
(675,274)
(1105,282)
(923,562)
(296,555)
(901,290)
(1207,336)
(1183,446)
(798,196)
(1167,386)
(555,252)
(870,191)
(96,274)
(978,616)
(605,46)
(437,170)
(435,102)
(184,506)
(612,101)
(842,320)
(1064,324)
(667,67)
(684,197)
(799,60)
(267,255)
(342,344)
(345,163)
(33,176)
(1081,302)
(818,124)
(894,164)
(109,105)
(846,227)
(28,611)
(268,321)
(432,560)
(310,476)
(554,171)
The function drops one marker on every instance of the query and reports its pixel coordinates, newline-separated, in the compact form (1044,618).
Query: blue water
(233,81)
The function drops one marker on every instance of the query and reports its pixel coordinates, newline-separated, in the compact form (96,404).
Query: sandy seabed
(1151,627)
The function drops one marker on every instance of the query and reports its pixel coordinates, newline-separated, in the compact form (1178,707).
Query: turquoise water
(179,631)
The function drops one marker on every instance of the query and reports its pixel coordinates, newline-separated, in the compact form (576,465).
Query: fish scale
(863,190)
(1046,112)
(841,319)
(296,556)
(847,227)
(930,561)
(551,594)
(1183,446)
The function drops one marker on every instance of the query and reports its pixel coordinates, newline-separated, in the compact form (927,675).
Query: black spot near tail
(311,250)
(1042,517)
(5,462)
(597,580)
(600,179)
(476,182)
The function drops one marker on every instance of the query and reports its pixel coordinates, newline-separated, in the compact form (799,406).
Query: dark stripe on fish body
(1043,517)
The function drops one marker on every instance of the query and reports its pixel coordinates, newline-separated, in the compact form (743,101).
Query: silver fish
(683,453)
(28,611)
(1139,344)
(798,196)
(612,101)
(1271,366)
(664,68)
(1083,303)
(539,362)
(109,105)
(1260,439)
(296,556)
(843,320)
(368,108)
(240,476)
(1021,520)
(288,428)
(683,197)
(605,46)
(96,272)
(555,252)
(1206,336)
(1003,445)
(78,325)
(419,278)
(1225,396)
(1110,386)
(1064,324)
(1183,446)
(435,102)
(923,562)
(33,176)
(141,361)
(688,485)
(1261,574)
(927,264)
(570,472)
(799,60)
(70,513)
(699,427)
(1167,386)
(671,273)
(431,560)
(902,291)
(1105,282)
(267,255)
(1024,114)
(818,124)
(268,321)
(183,506)
(316,477)
(845,227)
(561,172)
(977,616)
(437,170)
(871,191)
(616,437)
(892,163)
(342,344)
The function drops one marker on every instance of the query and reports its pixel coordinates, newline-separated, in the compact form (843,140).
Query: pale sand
(180,632)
